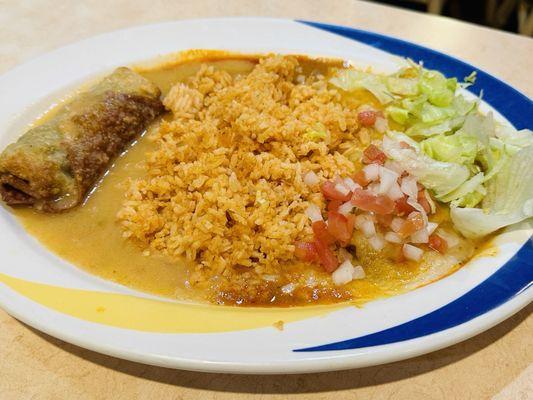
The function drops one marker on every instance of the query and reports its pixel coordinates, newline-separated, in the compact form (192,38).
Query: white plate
(61,300)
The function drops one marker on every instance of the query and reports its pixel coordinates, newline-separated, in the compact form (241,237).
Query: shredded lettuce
(468,193)
(440,177)
(439,90)
(398,114)
(471,199)
(465,158)
(458,148)
(514,140)
(513,185)
(422,100)
(469,80)
(421,129)
(402,86)
(483,146)
(349,80)
(509,199)
(401,137)
(505,191)
(431,106)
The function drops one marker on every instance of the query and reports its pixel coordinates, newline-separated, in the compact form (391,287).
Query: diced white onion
(344,254)
(409,186)
(431,227)
(381,125)
(358,272)
(420,236)
(288,288)
(432,205)
(365,223)
(396,224)
(387,179)
(343,274)
(339,187)
(350,184)
(394,166)
(346,208)
(376,242)
(373,188)
(393,237)
(360,219)
(313,212)
(413,214)
(368,228)
(451,239)
(412,252)
(395,193)
(418,208)
(371,172)
(388,143)
(311,179)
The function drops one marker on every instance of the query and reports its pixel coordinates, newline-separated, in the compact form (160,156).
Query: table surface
(496,364)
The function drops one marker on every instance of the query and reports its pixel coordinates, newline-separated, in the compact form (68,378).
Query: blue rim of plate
(515,276)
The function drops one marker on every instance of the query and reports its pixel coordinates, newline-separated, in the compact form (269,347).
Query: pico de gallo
(382,201)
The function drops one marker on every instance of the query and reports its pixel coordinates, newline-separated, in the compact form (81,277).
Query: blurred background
(510,15)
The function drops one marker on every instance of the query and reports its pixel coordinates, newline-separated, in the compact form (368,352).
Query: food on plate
(53,165)
(286,180)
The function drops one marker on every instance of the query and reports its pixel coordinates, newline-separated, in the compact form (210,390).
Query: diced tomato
(373,154)
(402,207)
(423,201)
(360,178)
(326,257)
(437,243)
(334,205)
(384,220)
(413,223)
(306,251)
(329,192)
(405,145)
(398,255)
(320,229)
(350,223)
(369,202)
(338,226)
(367,118)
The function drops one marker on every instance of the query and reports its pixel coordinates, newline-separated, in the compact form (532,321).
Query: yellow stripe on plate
(137,313)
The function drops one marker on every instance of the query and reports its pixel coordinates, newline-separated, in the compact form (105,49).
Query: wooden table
(495,364)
